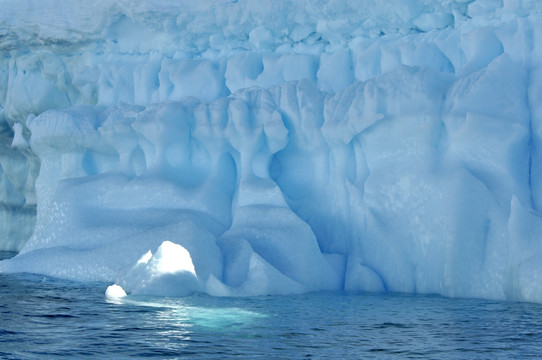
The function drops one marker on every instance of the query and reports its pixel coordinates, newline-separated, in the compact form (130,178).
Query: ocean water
(46,318)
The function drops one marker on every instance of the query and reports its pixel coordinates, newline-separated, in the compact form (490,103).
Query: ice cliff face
(275,147)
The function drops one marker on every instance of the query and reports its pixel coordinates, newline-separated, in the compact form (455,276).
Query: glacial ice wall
(284,146)
(55,55)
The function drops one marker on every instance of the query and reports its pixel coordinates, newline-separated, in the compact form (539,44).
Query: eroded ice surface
(282,146)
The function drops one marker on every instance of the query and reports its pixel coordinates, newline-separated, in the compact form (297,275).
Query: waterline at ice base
(253,147)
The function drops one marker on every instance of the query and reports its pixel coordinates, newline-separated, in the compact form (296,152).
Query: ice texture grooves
(251,148)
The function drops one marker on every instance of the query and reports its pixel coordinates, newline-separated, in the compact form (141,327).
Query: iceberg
(253,147)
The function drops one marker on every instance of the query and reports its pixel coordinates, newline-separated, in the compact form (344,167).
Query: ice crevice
(275,147)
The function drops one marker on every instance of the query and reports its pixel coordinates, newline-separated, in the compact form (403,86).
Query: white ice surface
(282,147)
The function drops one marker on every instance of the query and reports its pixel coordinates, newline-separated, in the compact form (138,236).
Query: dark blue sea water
(46,318)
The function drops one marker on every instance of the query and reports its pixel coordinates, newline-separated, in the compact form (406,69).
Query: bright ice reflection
(177,312)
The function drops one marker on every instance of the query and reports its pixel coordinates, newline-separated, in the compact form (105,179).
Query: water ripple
(47,318)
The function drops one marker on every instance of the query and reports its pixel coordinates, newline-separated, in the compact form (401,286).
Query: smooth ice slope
(244,148)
